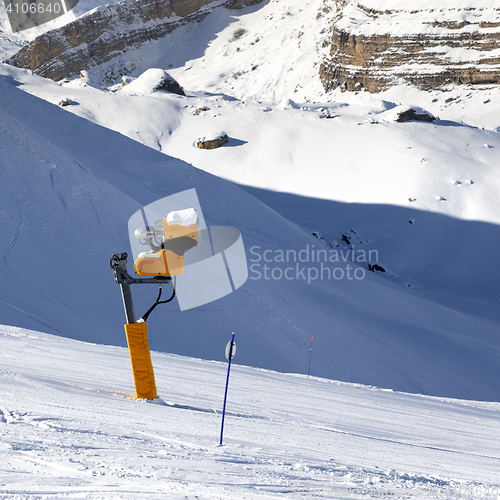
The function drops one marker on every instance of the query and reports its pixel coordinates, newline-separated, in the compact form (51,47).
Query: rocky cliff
(368,44)
(108,31)
(375,44)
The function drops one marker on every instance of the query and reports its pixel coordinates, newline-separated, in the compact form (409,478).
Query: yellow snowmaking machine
(168,240)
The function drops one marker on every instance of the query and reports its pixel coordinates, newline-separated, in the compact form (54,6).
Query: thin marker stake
(310,356)
(229,354)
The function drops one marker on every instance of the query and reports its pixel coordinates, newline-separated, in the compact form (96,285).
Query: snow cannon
(168,240)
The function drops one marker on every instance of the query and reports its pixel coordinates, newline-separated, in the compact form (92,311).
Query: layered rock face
(376,44)
(108,31)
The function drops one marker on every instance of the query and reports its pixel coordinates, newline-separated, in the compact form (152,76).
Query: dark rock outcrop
(376,267)
(212,141)
(411,114)
(170,84)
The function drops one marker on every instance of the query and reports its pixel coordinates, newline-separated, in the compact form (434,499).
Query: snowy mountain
(11,42)
(316,46)
(105,32)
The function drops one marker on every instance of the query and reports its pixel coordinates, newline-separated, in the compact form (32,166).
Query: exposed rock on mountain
(427,44)
(107,31)
(415,114)
(359,43)
(212,141)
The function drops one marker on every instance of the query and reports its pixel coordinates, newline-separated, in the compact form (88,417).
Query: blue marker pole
(230,351)
(310,356)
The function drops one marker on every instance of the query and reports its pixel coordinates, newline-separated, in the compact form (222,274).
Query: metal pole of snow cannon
(128,304)
(310,356)
(230,352)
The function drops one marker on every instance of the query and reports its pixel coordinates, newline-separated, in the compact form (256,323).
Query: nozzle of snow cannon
(168,239)
(152,236)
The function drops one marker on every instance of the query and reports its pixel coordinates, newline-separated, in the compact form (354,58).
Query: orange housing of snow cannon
(173,231)
(169,261)
(162,263)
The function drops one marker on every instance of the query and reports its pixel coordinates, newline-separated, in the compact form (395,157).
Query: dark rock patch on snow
(418,115)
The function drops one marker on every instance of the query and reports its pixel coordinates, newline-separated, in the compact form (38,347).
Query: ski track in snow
(13,241)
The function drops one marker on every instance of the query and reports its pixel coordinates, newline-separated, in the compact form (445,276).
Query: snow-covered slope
(69,187)
(68,431)
(269,51)
(359,155)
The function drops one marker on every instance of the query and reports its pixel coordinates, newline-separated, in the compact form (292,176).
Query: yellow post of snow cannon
(168,240)
(140,357)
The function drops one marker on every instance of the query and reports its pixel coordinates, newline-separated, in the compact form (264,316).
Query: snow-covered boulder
(325,113)
(286,103)
(415,113)
(212,141)
(153,80)
(403,113)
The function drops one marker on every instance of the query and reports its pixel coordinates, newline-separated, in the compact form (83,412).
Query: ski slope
(67,430)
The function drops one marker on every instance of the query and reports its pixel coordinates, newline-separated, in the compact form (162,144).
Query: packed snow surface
(330,186)
(69,430)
